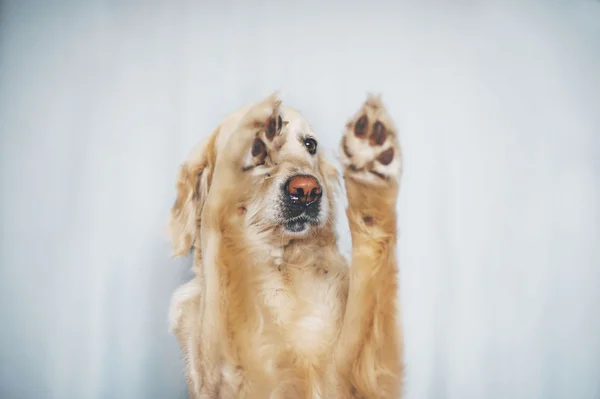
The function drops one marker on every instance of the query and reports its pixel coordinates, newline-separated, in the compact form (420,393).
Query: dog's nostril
(314,194)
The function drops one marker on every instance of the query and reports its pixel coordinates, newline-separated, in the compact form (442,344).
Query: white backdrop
(499,111)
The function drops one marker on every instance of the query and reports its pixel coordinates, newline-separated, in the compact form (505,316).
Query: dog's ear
(193,183)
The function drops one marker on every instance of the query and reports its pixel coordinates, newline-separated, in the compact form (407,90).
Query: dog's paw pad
(370,150)
(273,127)
(264,145)
(267,123)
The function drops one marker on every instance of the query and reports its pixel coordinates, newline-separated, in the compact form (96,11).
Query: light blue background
(499,112)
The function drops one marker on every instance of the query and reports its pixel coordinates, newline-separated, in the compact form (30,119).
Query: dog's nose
(304,189)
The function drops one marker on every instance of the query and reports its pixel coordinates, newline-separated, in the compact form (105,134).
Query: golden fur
(275,314)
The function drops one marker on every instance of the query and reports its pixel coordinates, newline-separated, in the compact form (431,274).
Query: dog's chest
(305,308)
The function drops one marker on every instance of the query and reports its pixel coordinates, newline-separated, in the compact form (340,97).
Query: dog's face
(292,197)
(295,197)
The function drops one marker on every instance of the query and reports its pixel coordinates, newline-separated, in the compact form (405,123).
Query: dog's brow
(304,136)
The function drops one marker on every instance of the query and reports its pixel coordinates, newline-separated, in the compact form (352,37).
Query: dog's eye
(311,145)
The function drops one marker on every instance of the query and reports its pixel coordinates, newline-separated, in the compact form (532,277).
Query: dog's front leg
(230,316)
(369,351)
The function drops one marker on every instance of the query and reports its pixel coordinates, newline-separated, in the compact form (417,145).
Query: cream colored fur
(273,314)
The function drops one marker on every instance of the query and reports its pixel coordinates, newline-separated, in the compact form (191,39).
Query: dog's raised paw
(370,151)
(266,122)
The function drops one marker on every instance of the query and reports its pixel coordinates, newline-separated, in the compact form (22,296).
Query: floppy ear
(193,183)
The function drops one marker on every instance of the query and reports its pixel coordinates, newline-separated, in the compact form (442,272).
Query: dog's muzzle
(301,202)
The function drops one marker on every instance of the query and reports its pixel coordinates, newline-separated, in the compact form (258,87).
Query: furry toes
(264,122)
(250,150)
(369,149)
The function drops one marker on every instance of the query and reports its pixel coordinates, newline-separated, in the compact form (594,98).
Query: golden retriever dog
(274,310)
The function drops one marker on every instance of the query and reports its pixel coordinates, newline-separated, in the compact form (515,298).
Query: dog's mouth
(298,217)
(299,224)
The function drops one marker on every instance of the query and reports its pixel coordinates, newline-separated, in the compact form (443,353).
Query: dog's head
(293,194)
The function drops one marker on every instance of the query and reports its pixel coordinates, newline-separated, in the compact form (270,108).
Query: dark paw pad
(386,157)
(273,127)
(360,129)
(258,147)
(378,135)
